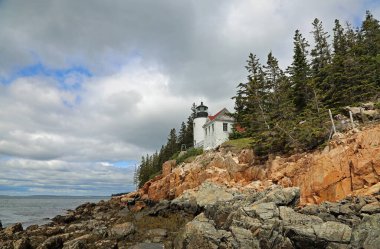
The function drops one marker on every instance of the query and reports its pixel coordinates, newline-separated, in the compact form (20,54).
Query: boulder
(23,243)
(79,242)
(12,229)
(291,217)
(157,232)
(208,194)
(366,234)
(244,238)
(37,240)
(122,230)
(167,167)
(148,246)
(334,245)
(105,244)
(282,196)
(369,106)
(55,242)
(371,208)
(264,211)
(246,156)
(333,232)
(199,233)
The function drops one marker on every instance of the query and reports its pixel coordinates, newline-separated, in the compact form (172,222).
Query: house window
(225,125)
(212,128)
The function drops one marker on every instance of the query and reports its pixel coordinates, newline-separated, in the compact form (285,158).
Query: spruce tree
(320,54)
(182,135)
(299,72)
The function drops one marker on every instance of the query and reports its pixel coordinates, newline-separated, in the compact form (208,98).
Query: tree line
(151,165)
(286,110)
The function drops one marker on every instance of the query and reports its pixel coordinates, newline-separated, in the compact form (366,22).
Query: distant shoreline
(55,196)
(40,209)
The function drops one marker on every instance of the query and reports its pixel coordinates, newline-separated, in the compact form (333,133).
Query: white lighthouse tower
(199,120)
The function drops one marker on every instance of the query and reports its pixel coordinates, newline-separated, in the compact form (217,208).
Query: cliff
(225,199)
(349,165)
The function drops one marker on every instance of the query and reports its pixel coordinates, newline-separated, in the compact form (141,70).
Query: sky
(88,87)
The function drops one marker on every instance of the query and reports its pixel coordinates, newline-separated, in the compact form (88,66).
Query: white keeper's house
(211,131)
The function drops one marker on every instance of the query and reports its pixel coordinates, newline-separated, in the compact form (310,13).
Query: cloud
(63,177)
(84,84)
(119,117)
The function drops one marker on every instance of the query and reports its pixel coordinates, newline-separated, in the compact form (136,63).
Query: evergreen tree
(182,135)
(320,54)
(332,89)
(299,72)
(172,145)
(188,138)
(257,96)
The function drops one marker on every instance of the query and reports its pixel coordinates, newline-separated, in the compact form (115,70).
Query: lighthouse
(199,120)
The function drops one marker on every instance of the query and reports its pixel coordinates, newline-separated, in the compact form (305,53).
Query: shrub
(192,152)
(377,105)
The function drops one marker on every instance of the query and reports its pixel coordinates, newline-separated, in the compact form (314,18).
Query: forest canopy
(285,110)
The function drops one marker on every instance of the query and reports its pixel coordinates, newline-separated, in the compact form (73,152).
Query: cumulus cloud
(87,84)
(64,177)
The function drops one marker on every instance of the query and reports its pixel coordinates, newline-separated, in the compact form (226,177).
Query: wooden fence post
(352,120)
(332,121)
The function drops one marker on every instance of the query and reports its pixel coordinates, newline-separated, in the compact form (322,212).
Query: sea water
(39,210)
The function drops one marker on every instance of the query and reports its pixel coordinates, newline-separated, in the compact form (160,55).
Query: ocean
(30,210)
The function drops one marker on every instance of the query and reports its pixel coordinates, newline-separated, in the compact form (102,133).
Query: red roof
(216,115)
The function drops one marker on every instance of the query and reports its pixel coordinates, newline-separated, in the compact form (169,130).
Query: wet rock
(55,242)
(37,240)
(1,226)
(122,230)
(76,245)
(12,229)
(53,231)
(23,243)
(32,228)
(64,219)
(79,242)
(105,244)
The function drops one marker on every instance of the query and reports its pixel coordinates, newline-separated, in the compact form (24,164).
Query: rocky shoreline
(227,218)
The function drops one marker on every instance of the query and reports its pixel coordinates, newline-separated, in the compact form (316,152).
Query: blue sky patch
(69,78)
(125,164)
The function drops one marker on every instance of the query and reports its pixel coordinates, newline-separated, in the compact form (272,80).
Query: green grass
(377,105)
(238,144)
(189,155)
